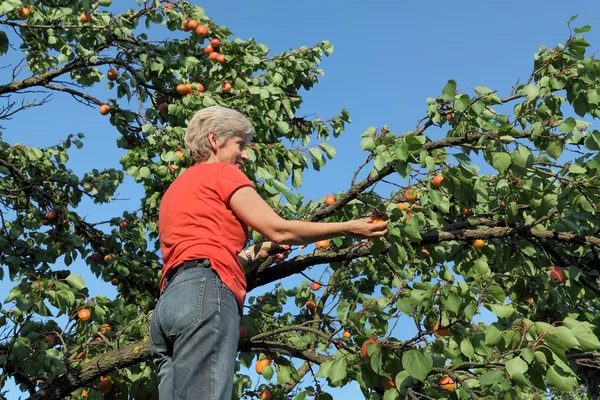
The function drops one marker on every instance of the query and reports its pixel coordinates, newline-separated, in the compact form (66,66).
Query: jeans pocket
(181,305)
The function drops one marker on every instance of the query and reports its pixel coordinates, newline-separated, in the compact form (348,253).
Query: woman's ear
(213,142)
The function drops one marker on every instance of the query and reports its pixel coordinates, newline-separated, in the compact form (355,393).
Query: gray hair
(225,123)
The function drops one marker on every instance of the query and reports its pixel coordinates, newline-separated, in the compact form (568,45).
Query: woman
(203,226)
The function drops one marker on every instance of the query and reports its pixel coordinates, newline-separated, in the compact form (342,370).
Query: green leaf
(562,337)
(328,149)
(145,172)
(337,372)
(467,348)
(452,303)
(268,372)
(522,157)
(449,90)
(583,29)
(555,149)
(493,334)
(490,96)
(587,339)
(560,380)
(502,311)
(568,125)
(324,369)
(417,364)
(415,143)
(491,377)
(412,231)
(283,127)
(283,374)
(530,92)
(297,178)
(527,354)
(577,169)
(75,281)
(3,43)
(367,144)
(516,366)
(501,161)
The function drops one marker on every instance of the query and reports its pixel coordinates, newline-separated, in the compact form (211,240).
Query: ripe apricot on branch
(104,109)
(261,364)
(215,42)
(84,314)
(226,88)
(202,31)
(52,215)
(163,108)
(315,286)
(403,206)
(221,58)
(213,56)
(437,181)
(347,335)
(447,383)
(208,49)
(330,199)
(363,349)
(105,385)
(85,18)
(311,306)
(322,244)
(192,24)
(184,25)
(389,383)
(410,195)
(112,74)
(24,12)
(557,275)
(182,89)
(440,331)
(478,243)
(266,395)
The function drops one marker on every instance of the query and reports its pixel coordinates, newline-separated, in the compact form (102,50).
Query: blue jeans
(194,336)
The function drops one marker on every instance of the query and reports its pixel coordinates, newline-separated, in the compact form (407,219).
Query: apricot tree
(521,241)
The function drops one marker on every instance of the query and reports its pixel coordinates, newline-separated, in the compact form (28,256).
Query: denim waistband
(200,263)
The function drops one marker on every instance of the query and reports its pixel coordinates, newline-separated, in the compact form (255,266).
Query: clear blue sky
(389,57)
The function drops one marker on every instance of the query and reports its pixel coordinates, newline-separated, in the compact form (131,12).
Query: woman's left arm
(262,250)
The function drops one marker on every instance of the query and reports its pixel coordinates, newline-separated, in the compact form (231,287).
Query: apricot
(202,31)
(84,314)
(478,243)
(410,195)
(24,12)
(322,244)
(261,364)
(447,383)
(440,331)
(112,74)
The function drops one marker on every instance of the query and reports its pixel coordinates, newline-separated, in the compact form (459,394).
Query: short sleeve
(228,180)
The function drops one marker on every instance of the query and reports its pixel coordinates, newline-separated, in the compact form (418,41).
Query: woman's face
(233,151)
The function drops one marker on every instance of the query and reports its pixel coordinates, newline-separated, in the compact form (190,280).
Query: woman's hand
(366,228)
(266,249)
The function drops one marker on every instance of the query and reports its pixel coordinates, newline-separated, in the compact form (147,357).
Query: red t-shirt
(195,221)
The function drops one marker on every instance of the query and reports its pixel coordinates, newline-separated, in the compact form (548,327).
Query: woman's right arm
(255,212)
